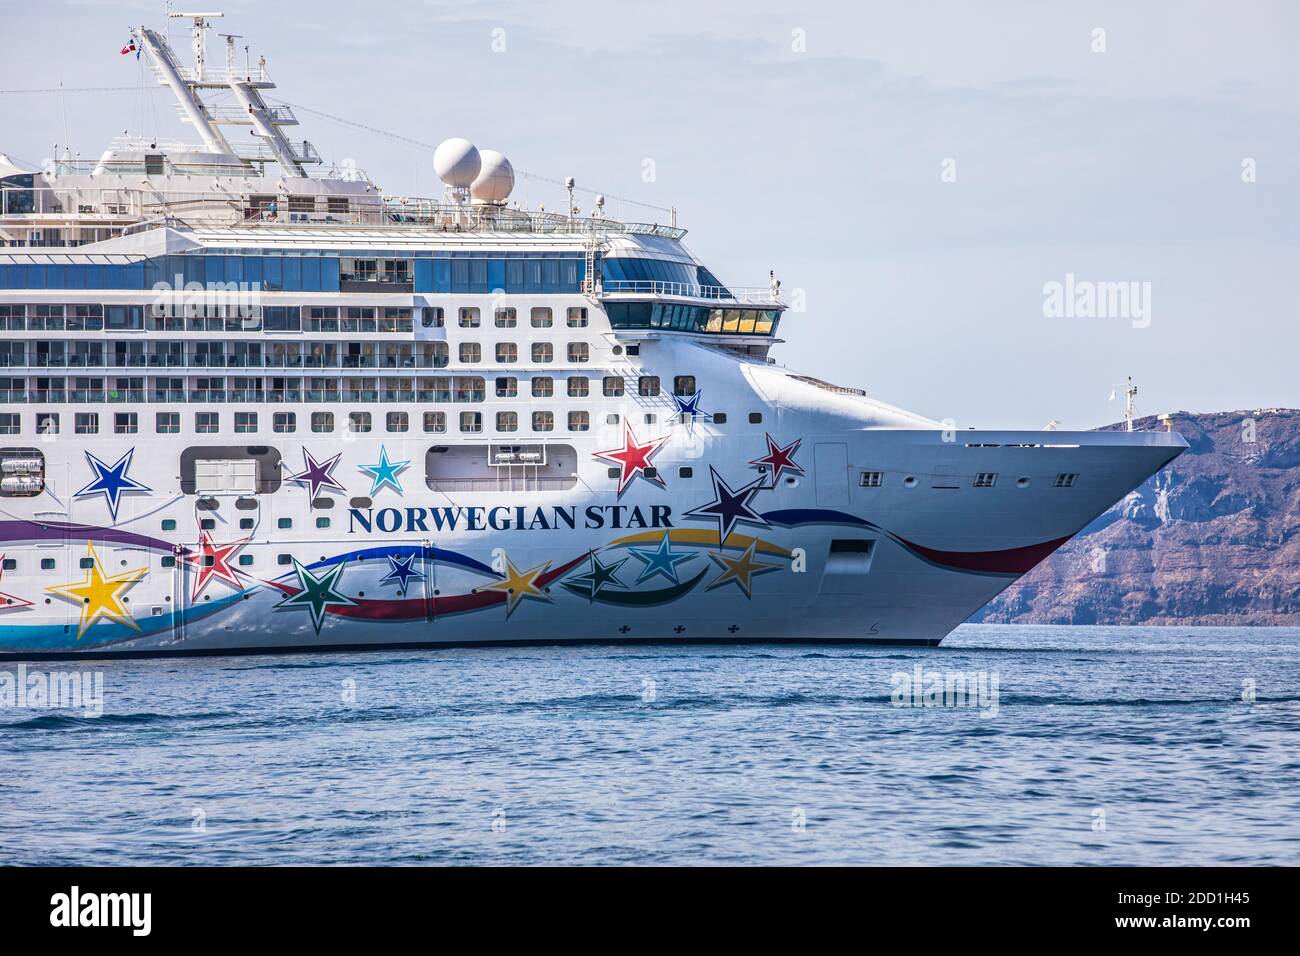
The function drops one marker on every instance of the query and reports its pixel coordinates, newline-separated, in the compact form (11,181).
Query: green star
(317,592)
(602,576)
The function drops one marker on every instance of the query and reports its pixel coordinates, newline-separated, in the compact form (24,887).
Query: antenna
(1130,392)
(200,27)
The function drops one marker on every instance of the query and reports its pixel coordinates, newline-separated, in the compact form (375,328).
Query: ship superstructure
(249,405)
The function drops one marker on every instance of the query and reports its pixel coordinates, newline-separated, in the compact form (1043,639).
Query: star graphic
(730,507)
(217,567)
(110,481)
(602,576)
(317,593)
(7,601)
(402,570)
(690,406)
(780,459)
(385,472)
(741,569)
(518,585)
(316,475)
(634,458)
(661,560)
(100,596)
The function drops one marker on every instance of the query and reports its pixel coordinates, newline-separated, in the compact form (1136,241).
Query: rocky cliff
(1212,539)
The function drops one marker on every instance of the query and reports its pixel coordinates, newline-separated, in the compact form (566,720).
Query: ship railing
(138,208)
(687,290)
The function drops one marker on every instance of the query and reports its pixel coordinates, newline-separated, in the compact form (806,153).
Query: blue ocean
(1007,745)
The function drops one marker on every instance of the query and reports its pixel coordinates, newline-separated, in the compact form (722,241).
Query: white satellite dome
(456,162)
(495,179)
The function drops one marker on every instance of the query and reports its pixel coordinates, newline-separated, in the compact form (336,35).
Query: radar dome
(456,162)
(495,179)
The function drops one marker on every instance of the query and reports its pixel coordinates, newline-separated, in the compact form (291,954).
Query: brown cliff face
(1214,538)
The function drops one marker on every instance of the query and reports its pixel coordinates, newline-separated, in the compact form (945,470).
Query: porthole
(1022,482)
(909,481)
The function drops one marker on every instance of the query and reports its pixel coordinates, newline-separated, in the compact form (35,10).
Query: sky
(923,177)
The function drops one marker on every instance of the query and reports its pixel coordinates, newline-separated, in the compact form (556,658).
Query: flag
(130,48)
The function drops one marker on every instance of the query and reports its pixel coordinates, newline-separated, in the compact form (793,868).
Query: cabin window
(543,421)
(283,559)
(167,423)
(507,386)
(207,524)
(756,418)
(543,387)
(469,318)
(579,387)
(612,386)
(471,352)
(684,385)
(245,422)
(322,522)
(648,386)
(10,423)
(612,418)
(507,352)
(686,471)
(206,423)
(543,352)
(577,317)
(579,352)
(579,421)
(245,560)
(322,421)
(506,318)
(397,421)
(47,564)
(47,423)
(284,422)
(431,317)
(719,418)
(471,422)
(507,421)
(435,421)
(10,564)
(284,523)
(86,423)
(541,317)
(359,422)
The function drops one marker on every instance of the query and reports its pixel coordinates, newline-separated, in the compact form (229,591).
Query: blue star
(111,481)
(690,406)
(661,560)
(385,472)
(403,571)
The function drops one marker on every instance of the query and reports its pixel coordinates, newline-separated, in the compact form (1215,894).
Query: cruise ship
(251,405)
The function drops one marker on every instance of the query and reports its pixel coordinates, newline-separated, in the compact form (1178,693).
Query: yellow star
(741,569)
(100,596)
(519,584)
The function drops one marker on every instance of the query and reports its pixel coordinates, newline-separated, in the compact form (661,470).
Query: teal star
(317,592)
(661,560)
(602,576)
(385,472)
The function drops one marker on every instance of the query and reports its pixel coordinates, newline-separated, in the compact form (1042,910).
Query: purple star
(730,506)
(317,475)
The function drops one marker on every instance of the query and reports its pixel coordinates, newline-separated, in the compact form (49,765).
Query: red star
(779,459)
(633,458)
(220,565)
(7,601)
